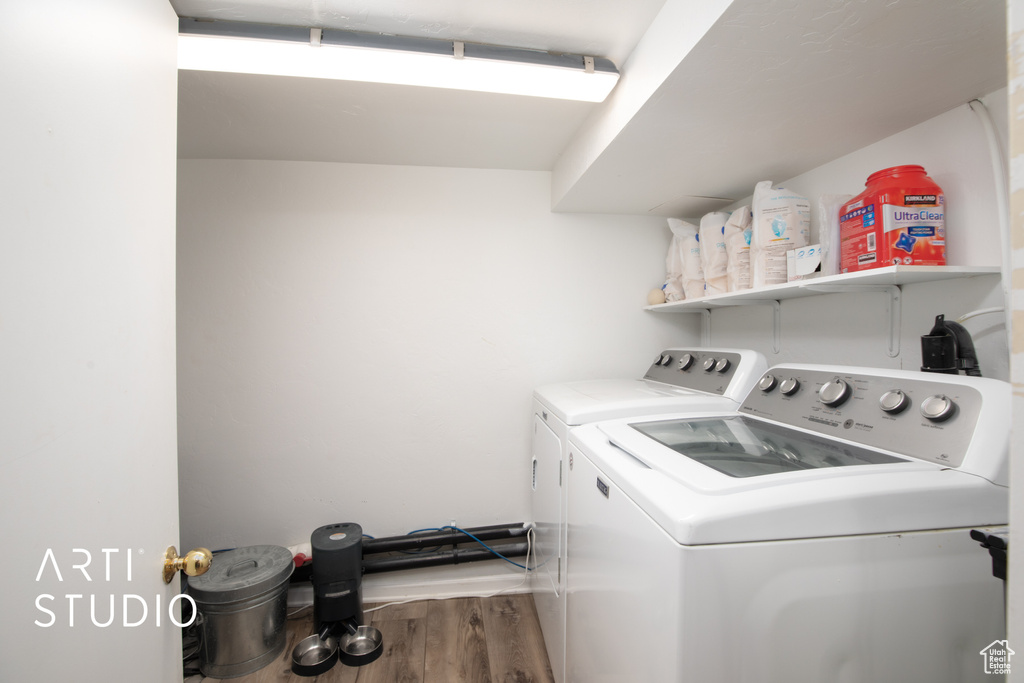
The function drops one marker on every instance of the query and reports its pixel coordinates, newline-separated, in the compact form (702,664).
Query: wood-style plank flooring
(459,640)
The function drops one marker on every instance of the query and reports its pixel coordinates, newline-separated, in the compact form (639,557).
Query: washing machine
(819,532)
(678,379)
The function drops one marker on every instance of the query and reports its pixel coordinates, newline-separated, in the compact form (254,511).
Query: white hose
(980,311)
(1002,207)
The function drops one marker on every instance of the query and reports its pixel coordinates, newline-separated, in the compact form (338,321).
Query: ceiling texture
(714,94)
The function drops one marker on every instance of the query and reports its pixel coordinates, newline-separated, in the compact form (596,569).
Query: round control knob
(722,365)
(789,386)
(938,408)
(666,360)
(834,393)
(657,361)
(767,383)
(893,402)
(709,364)
(685,361)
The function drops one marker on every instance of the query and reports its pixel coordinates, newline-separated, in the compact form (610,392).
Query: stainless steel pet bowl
(313,655)
(362,647)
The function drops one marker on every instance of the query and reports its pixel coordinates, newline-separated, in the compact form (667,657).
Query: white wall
(1015,584)
(88,454)
(360,343)
(851,328)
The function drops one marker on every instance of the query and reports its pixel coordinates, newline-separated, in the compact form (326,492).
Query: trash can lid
(242,573)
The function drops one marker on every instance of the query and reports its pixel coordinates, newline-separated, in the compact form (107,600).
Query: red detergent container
(898,220)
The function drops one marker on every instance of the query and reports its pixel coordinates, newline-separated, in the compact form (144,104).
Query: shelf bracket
(705,324)
(894,306)
(776,316)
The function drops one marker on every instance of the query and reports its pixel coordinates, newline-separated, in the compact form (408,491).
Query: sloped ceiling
(240,116)
(714,95)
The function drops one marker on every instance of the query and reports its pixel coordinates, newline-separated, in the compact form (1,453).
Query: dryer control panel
(704,370)
(907,413)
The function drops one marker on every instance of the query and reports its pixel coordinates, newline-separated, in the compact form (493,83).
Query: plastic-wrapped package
(737,232)
(673,287)
(781,221)
(828,230)
(689,255)
(713,258)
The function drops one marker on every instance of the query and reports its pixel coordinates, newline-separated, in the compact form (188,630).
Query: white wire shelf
(852,282)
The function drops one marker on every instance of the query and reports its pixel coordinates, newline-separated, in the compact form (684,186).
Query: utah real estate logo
(997,657)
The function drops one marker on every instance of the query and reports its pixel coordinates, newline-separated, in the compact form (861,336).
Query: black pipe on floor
(430,545)
(446,537)
(374,565)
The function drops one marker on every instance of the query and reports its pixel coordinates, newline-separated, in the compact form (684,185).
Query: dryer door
(547,506)
(548,577)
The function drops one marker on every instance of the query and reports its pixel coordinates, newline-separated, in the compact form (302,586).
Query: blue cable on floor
(463,531)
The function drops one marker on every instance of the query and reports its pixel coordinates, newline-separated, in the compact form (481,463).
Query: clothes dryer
(678,379)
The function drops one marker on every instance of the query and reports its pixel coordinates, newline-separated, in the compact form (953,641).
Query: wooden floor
(459,640)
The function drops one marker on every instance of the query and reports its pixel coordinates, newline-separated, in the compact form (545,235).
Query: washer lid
(665,388)
(719,454)
(740,447)
(242,573)
(577,403)
(698,505)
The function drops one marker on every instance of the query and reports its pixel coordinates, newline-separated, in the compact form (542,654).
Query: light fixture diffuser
(345,55)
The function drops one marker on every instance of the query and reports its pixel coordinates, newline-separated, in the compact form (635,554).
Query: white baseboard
(432,583)
(439,588)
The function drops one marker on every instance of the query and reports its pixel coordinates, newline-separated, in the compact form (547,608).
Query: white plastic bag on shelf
(689,255)
(781,221)
(673,287)
(737,248)
(713,258)
(829,206)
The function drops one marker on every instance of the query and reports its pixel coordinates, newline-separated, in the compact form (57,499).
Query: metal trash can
(242,602)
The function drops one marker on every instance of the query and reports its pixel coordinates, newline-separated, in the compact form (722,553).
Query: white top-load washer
(820,532)
(678,379)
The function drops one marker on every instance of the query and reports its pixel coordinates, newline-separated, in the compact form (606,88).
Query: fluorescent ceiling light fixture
(239,47)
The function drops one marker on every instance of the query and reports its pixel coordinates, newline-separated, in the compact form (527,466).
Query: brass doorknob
(193,563)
